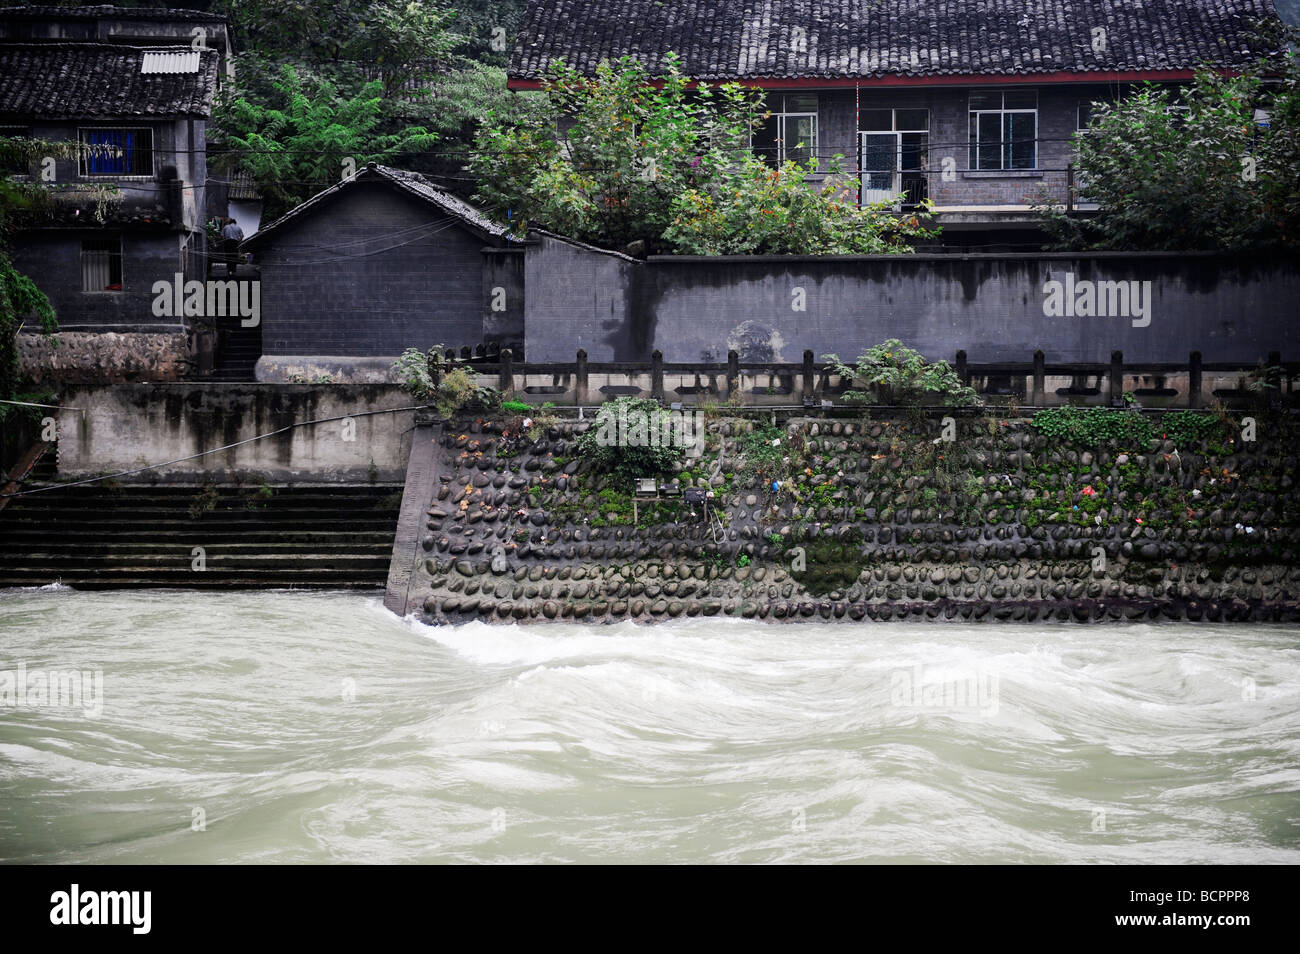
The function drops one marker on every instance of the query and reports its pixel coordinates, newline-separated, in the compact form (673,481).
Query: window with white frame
(894,154)
(116,151)
(1004,129)
(789,134)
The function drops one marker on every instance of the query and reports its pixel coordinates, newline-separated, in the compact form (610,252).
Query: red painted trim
(966,79)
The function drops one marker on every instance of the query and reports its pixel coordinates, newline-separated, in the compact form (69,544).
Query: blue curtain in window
(117,160)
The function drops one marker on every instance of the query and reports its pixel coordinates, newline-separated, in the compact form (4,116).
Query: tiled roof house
(378,262)
(129,211)
(971,103)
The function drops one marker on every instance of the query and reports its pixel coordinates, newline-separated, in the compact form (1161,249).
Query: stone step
(181,559)
(91,535)
(60,538)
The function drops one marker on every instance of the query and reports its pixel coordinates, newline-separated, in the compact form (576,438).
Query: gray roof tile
(410,182)
(863,39)
(100,80)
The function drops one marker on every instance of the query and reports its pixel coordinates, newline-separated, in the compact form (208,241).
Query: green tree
(633,437)
(20,299)
(615,159)
(1198,172)
(430,84)
(295,145)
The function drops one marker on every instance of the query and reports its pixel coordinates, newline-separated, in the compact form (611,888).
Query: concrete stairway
(107,535)
(238,349)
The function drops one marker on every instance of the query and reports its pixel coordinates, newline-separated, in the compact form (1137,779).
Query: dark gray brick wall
(503,285)
(53,260)
(949,111)
(371,273)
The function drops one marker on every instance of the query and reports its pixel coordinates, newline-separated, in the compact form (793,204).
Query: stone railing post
(580,379)
(657,375)
(1116,379)
(1194,380)
(1040,378)
(507,382)
(733,375)
(809,377)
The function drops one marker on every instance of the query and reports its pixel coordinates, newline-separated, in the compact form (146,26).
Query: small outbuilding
(383,261)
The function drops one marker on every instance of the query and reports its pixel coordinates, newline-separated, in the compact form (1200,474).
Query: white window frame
(782,115)
(116,177)
(973,126)
(897,132)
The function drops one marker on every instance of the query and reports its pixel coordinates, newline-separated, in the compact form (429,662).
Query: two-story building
(129,209)
(970,103)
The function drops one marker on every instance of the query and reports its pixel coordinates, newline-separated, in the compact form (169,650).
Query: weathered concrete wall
(873,520)
(580,297)
(503,299)
(992,306)
(130,426)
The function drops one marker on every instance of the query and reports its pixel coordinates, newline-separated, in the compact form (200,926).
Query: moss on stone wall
(877,519)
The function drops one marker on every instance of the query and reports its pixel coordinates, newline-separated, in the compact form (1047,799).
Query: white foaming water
(296,727)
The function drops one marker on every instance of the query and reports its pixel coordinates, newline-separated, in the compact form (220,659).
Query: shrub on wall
(1099,426)
(897,374)
(1093,426)
(627,439)
(447,384)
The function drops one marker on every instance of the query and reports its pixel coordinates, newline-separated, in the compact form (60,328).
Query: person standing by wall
(231,236)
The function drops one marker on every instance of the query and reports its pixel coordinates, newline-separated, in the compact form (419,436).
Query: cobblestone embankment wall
(874,520)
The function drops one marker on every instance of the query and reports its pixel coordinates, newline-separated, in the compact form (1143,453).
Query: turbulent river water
(300,727)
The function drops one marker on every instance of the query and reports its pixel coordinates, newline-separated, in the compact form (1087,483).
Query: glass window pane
(876,120)
(985,99)
(914,153)
(109,155)
(801,103)
(800,138)
(878,154)
(914,119)
(990,151)
(1022,100)
(1021,130)
(764,142)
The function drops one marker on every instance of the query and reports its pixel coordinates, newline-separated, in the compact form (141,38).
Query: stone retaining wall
(893,523)
(77,357)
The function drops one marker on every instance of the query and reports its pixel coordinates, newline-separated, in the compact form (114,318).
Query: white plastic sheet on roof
(170,62)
